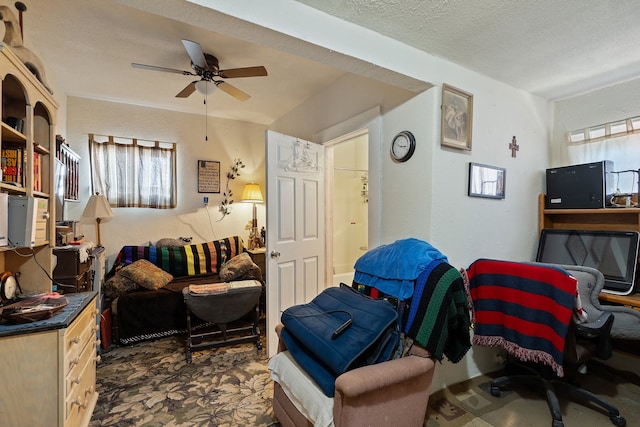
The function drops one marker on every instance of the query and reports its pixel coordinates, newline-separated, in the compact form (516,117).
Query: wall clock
(403,146)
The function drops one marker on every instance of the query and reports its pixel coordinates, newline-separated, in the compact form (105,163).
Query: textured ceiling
(551,48)
(89,45)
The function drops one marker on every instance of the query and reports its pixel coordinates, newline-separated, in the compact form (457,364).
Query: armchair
(396,391)
(526,308)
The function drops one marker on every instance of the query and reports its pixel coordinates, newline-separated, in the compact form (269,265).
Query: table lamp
(98,208)
(252,194)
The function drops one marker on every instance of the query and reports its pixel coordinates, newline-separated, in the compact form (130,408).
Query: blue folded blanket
(393,268)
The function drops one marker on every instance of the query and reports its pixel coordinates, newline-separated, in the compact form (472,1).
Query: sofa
(143,289)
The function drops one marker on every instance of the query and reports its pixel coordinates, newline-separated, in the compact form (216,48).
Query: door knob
(275,254)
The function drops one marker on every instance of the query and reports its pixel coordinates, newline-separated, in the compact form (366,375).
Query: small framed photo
(457,118)
(486,181)
(208,176)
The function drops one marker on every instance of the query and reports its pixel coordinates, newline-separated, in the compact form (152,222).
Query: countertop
(62,319)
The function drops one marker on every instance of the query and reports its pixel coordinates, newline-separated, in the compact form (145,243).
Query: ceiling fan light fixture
(205,87)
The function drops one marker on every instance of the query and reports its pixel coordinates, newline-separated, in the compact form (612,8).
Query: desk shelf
(613,219)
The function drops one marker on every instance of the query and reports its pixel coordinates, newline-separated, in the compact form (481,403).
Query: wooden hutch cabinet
(27,130)
(48,366)
(616,219)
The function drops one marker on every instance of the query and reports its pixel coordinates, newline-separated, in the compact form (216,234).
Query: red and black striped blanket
(524,308)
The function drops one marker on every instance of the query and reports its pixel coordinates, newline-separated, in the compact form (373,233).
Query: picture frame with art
(486,181)
(457,118)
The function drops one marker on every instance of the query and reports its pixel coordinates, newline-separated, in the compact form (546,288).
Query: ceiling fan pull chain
(206,122)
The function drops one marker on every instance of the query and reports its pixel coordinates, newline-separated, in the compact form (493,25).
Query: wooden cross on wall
(514,147)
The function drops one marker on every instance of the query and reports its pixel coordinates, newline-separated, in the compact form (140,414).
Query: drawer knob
(74,340)
(77,401)
(75,380)
(97,359)
(74,362)
(88,390)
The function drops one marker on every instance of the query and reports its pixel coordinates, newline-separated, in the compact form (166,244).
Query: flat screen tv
(613,253)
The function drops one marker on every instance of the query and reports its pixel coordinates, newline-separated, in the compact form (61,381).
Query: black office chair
(527,309)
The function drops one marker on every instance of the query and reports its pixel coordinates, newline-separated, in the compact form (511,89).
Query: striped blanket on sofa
(189,260)
(524,308)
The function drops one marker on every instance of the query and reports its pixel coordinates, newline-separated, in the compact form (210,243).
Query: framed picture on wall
(486,181)
(208,176)
(457,118)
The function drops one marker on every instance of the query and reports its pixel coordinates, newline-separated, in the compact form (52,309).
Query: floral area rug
(151,384)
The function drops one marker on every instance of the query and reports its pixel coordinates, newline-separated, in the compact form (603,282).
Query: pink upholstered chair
(374,395)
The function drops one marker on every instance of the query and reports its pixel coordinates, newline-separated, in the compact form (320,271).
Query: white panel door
(295,232)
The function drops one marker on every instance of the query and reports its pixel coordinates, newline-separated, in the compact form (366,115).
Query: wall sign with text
(208,176)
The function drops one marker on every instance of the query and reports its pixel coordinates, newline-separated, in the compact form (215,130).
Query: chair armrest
(363,394)
(600,330)
(595,328)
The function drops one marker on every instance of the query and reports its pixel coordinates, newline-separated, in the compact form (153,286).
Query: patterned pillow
(118,285)
(147,275)
(236,267)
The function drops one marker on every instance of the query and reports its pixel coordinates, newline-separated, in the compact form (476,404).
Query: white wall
(227,140)
(426,197)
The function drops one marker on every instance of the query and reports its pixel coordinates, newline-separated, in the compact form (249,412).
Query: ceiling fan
(207,68)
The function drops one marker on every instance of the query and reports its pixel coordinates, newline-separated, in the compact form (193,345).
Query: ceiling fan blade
(232,90)
(184,93)
(243,72)
(166,70)
(195,53)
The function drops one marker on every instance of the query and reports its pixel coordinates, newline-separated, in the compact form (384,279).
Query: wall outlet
(206,201)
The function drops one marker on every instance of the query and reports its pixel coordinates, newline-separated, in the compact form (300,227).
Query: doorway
(348,207)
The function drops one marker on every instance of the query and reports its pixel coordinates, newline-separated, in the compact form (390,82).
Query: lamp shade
(205,87)
(97,207)
(252,194)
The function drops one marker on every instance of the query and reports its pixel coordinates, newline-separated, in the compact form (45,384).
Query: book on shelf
(37,171)
(12,163)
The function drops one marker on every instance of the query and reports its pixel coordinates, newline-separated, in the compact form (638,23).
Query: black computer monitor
(613,253)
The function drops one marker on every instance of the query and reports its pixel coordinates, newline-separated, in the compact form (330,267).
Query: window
(132,172)
(617,141)
(604,131)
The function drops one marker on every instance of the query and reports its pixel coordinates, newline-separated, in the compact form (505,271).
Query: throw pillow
(236,267)
(146,274)
(118,285)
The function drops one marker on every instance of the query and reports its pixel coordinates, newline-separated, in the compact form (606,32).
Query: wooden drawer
(69,285)
(80,360)
(76,370)
(81,400)
(78,336)
(68,263)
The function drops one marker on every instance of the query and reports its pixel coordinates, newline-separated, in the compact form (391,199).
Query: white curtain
(623,151)
(132,173)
